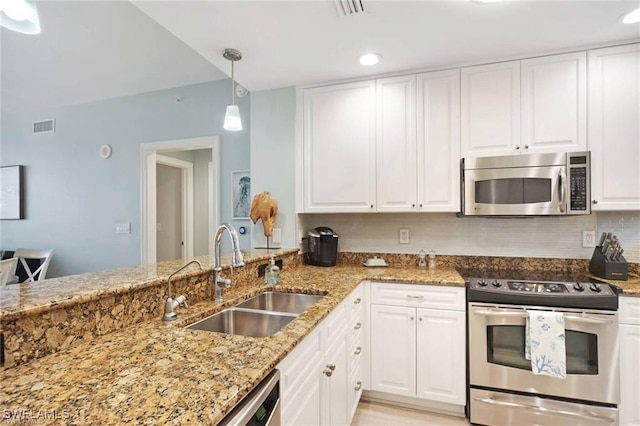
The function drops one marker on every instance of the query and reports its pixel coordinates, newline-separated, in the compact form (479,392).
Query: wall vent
(349,7)
(44,126)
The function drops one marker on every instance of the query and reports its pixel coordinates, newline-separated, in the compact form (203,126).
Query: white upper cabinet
(438,108)
(339,160)
(396,144)
(531,106)
(614,129)
(490,102)
(554,103)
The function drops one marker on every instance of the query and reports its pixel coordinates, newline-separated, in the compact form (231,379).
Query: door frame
(186,170)
(149,152)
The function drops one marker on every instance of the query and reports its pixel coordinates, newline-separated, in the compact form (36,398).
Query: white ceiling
(288,43)
(89,51)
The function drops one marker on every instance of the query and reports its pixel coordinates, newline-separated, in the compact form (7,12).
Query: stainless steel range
(503,388)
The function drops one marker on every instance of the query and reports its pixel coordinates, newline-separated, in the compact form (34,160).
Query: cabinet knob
(371,206)
(331,367)
(357,351)
(413,205)
(526,147)
(420,205)
(594,202)
(358,386)
(358,300)
(517,146)
(357,326)
(328,372)
(419,318)
(411,318)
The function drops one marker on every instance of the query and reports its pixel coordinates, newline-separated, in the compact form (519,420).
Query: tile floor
(373,414)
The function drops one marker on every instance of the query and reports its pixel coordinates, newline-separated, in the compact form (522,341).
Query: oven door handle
(524,314)
(590,417)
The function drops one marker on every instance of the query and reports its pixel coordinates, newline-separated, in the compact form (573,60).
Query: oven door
(497,359)
(515,191)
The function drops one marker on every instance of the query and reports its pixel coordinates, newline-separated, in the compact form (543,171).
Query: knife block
(605,268)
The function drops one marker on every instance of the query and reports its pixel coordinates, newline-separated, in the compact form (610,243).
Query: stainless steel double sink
(260,316)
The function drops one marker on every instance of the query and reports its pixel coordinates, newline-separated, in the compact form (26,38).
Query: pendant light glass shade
(20,16)
(232,119)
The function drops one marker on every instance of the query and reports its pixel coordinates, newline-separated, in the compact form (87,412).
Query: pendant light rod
(232,55)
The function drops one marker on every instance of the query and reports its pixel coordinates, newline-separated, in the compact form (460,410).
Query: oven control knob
(595,287)
(482,283)
(578,287)
(496,284)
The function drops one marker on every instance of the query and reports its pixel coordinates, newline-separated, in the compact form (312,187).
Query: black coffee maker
(322,247)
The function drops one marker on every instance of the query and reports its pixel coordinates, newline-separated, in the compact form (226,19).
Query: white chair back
(7,268)
(43,255)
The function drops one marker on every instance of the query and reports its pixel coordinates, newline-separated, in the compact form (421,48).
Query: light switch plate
(276,237)
(588,238)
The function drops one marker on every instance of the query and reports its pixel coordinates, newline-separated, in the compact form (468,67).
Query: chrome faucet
(237,259)
(172,304)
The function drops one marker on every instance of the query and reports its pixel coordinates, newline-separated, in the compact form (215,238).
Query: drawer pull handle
(415,297)
(357,351)
(358,386)
(331,367)
(357,326)
(358,300)
(328,372)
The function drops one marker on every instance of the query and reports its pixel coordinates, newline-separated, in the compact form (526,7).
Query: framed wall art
(240,194)
(11,192)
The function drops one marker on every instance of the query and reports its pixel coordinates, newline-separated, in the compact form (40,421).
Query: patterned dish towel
(544,343)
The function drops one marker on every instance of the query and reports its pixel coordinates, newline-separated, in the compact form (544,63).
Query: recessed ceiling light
(369,59)
(632,17)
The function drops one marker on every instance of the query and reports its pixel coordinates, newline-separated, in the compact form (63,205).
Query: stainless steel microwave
(527,185)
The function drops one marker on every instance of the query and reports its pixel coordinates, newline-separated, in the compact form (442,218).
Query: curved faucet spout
(237,258)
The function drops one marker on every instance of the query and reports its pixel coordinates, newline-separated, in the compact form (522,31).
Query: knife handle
(602,238)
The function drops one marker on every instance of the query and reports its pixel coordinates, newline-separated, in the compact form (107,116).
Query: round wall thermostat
(105,151)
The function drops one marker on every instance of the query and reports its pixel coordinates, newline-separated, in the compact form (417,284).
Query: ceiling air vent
(44,126)
(349,7)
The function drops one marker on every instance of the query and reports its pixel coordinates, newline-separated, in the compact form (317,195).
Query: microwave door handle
(543,410)
(561,190)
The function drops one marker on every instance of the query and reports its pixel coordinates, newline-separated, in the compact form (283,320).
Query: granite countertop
(155,373)
(28,298)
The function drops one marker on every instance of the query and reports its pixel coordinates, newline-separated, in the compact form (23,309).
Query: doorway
(155,155)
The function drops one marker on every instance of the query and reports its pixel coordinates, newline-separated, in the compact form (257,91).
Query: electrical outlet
(588,238)
(403,237)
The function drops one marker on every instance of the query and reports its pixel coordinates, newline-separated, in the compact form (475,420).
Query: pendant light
(232,119)
(20,16)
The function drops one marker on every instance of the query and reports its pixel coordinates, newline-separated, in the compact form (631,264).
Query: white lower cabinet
(316,377)
(629,339)
(418,347)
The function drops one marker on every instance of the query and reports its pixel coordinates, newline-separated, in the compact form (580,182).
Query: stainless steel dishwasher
(260,407)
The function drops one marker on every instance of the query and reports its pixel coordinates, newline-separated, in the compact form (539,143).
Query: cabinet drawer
(421,296)
(629,310)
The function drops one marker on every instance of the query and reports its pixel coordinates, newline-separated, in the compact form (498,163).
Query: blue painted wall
(74,199)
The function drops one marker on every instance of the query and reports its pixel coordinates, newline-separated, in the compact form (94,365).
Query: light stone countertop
(165,374)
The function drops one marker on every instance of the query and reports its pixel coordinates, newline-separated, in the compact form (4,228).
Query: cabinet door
(337,386)
(441,363)
(554,103)
(439,141)
(339,148)
(393,349)
(303,407)
(396,144)
(490,109)
(614,133)
(629,373)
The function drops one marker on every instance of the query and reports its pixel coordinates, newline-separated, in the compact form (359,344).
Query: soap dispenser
(272,274)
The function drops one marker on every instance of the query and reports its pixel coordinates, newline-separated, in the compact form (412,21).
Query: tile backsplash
(552,237)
